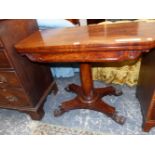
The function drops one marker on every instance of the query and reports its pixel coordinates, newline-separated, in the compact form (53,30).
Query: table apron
(112,56)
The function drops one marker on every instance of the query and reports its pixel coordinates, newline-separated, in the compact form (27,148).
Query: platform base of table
(93,103)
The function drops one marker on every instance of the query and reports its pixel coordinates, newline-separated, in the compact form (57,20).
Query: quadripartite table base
(89,97)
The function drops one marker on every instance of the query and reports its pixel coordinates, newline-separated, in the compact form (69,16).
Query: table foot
(58,112)
(118,118)
(118,92)
(66,106)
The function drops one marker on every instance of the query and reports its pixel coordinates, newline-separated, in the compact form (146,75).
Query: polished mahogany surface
(97,43)
(133,35)
(94,43)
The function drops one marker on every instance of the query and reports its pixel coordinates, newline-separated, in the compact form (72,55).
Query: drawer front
(4,63)
(153,95)
(151,110)
(9,78)
(1,44)
(13,98)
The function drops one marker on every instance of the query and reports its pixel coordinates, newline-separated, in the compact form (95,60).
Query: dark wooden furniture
(94,21)
(24,85)
(74,21)
(146,89)
(97,43)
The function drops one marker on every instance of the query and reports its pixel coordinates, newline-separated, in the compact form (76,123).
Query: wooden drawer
(9,79)
(153,97)
(151,110)
(1,44)
(14,97)
(4,63)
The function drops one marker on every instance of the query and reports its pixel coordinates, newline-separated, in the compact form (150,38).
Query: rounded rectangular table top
(115,36)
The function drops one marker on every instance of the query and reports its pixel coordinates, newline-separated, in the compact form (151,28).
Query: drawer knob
(3,79)
(12,98)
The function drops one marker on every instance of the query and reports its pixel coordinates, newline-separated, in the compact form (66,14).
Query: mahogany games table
(115,42)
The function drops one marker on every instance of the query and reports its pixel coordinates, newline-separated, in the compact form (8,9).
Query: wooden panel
(1,44)
(151,112)
(4,63)
(74,21)
(95,21)
(35,79)
(85,57)
(9,78)
(29,73)
(13,98)
(146,83)
(153,95)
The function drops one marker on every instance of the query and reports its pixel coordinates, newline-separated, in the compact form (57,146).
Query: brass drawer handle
(12,98)
(3,79)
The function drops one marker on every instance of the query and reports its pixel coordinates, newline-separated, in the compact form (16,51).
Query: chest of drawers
(23,84)
(146,89)
(3,59)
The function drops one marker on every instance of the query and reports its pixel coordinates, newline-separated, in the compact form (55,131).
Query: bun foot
(58,112)
(119,119)
(67,89)
(118,92)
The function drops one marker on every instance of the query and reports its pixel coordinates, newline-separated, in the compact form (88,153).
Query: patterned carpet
(38,128)
(14,122)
